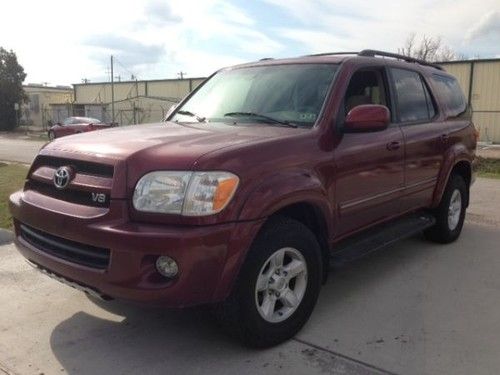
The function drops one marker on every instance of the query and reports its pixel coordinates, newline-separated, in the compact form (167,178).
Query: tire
(51,135)
(449,221)
(249,314)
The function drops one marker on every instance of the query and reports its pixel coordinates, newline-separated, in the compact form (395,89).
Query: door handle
(393,146)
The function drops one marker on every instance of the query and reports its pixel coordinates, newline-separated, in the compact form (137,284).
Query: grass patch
(12,178)
(489,168)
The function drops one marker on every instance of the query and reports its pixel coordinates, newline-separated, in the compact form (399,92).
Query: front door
(369,166)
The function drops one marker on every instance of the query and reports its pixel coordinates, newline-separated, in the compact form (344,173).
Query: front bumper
(209,257)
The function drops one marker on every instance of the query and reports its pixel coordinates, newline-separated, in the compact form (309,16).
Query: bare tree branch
(428,48)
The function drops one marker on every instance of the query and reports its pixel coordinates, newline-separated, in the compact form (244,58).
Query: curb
(6,236)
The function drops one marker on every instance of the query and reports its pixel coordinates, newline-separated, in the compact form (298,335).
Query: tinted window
(450,93)
(412,97)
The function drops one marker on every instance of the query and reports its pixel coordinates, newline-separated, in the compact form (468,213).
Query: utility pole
(16,109)
(181,74)
(112,92)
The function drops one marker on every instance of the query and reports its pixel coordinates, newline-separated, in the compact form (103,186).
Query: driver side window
(365,87)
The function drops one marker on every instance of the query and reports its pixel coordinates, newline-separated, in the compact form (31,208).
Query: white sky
(61,42)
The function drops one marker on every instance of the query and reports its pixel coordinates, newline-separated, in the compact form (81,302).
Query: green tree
(11,88)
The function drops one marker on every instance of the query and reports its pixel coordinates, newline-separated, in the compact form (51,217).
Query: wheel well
(463,169)
(312,217)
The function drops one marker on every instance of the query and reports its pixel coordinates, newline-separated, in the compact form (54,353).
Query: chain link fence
(127,112)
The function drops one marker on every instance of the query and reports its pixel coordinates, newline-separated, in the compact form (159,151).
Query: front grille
(90,186)
(72,251)
(68,195)
(82,167)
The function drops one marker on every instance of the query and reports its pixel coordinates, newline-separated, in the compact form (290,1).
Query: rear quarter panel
(461,144)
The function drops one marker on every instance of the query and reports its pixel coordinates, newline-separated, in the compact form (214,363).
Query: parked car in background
(75,125)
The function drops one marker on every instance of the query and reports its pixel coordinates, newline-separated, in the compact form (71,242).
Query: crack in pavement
(4,370)
(371,369)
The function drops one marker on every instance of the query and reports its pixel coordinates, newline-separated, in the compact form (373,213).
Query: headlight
(186,193)
(161,192)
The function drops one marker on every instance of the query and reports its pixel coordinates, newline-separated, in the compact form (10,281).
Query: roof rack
(373,53)
(332,53)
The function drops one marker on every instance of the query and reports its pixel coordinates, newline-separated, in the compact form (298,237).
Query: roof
(140,81)
(496,59)
(339,57)
(32,86)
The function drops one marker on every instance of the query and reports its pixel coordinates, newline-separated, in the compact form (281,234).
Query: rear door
(424,136)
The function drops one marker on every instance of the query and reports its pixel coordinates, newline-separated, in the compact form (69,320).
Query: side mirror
(367,118)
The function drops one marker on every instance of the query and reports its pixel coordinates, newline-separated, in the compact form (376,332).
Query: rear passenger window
(414,102)
(451,94)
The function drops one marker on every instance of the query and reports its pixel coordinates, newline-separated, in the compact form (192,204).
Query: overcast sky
(62,42)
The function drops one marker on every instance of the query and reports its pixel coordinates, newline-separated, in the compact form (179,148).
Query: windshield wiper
(253,114)
(188,113)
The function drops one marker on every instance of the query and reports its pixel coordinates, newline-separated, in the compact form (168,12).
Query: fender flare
(279,191)
(285,189)
(455,155)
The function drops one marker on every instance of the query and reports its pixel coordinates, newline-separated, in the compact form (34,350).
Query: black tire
(51,135)
(443,231)
(239,314)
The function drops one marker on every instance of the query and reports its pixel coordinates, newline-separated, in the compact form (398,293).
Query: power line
(132,74)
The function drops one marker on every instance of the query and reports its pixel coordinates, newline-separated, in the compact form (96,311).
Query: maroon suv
(259,179)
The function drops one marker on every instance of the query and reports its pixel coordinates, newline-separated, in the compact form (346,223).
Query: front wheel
(450,213)
(278,285)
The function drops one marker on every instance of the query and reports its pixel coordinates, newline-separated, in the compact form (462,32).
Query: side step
(380,236)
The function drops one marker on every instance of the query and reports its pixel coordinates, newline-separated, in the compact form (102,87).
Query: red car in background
(75,125)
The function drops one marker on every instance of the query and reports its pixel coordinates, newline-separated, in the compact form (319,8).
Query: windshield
(276,94)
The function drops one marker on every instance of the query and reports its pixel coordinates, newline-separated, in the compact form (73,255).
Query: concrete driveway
(14,148)
(413,308)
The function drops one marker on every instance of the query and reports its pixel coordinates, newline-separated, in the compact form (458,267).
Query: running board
(379,237)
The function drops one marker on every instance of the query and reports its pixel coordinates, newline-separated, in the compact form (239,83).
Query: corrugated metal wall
(135,102)
(484,95)
(101,92)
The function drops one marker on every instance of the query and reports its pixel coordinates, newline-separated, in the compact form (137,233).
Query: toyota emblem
(62,177)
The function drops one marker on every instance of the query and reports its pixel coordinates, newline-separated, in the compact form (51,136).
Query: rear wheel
(450,214)
(277,287)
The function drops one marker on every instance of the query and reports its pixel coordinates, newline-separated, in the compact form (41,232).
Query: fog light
(167,266)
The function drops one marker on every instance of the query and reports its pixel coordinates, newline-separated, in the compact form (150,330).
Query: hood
(163,145)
